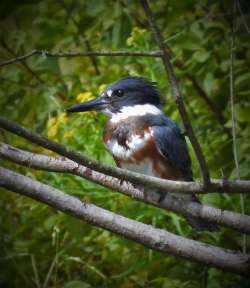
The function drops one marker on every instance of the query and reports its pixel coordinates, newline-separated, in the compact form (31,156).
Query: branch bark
(229,219)
(146,235)
(176,92)
(227,186)
(70,54)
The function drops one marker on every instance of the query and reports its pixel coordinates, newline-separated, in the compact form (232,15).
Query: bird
(141,138)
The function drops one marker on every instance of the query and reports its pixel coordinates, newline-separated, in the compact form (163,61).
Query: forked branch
(146,235)
(226,218)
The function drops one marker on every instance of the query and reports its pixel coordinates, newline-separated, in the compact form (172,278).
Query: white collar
(136,110)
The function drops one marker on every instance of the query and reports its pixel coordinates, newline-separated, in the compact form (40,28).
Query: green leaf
(242,113)
(201,55)
(242,79)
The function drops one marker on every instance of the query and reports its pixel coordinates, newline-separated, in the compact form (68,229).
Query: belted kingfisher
(140,137)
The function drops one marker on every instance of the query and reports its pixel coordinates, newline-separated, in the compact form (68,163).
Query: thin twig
(92,57)
(226,218)
(233,117)
(48,275)
(227,186)
(25,65)
(176,92)
(45,53)
(243,18)
(28,69)
(147,235)
(35,271)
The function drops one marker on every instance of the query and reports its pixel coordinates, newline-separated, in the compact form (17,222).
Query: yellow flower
(68,135)
(51,122)
(52,131)
(86,96)
(135,35)
(62,118)
(102,88)
(52,127)
(139,30)
(54,123)
(130,41)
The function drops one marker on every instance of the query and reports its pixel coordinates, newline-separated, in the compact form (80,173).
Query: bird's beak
(97,104)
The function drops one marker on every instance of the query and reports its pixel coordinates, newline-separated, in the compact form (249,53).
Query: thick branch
(147,235)
(80,54)
(228,186)
(232,220)
(176,91)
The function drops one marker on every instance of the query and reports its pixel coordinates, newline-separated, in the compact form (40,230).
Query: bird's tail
(200,224)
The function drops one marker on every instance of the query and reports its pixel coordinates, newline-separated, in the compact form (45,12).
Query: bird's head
(127,94)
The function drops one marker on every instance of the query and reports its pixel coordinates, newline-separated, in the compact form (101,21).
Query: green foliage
(40,245)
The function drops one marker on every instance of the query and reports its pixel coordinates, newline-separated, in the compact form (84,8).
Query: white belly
(133,145)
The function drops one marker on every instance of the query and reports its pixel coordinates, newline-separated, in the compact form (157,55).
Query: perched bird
(140,137)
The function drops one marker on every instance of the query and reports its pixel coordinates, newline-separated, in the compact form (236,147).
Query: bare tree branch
(226,218)
(81,54)
(176,92)
(227,186)
(146,235)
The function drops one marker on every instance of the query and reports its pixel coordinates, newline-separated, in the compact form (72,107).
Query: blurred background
(40,247)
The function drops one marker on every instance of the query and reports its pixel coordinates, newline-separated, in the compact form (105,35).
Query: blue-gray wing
(172,146)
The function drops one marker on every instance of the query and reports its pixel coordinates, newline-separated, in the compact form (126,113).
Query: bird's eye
(118,93)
